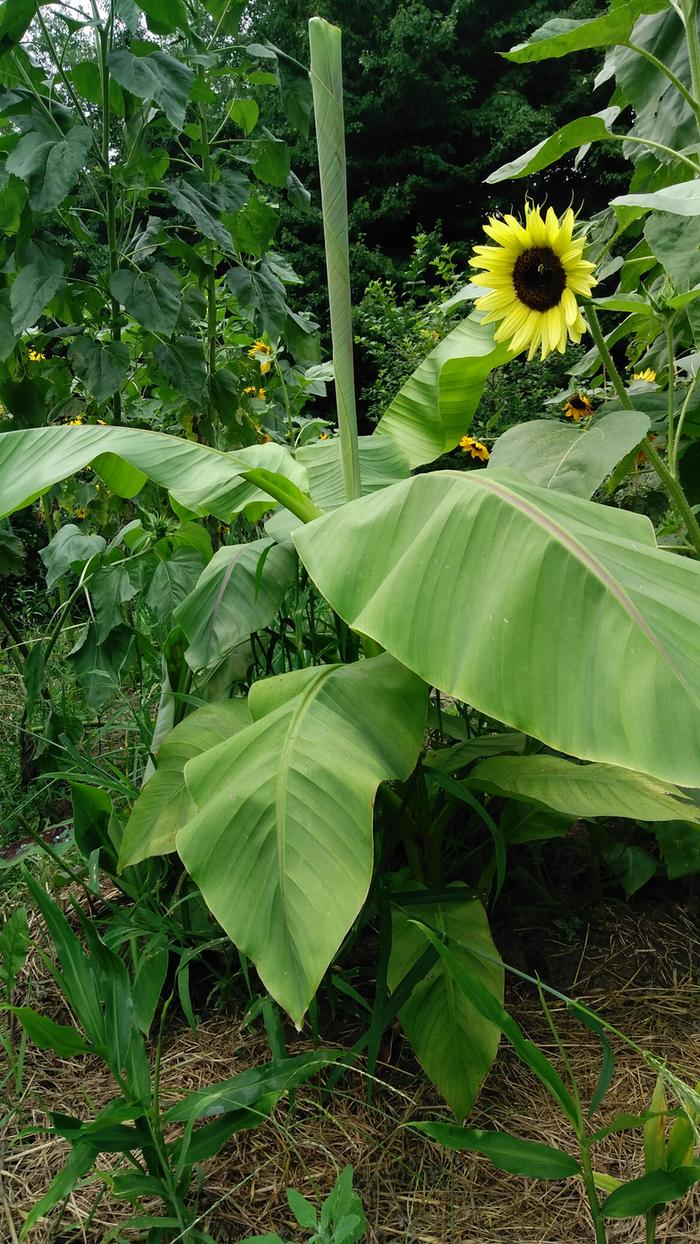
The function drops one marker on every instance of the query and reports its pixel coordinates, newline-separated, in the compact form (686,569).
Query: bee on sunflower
(578,406)
(476,449)
(532,276)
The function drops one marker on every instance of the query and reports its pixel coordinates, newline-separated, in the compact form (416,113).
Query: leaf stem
(670,483)
(647,142)
(690,100)
(673,449)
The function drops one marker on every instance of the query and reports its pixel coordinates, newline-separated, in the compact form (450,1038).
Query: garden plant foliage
(355,680)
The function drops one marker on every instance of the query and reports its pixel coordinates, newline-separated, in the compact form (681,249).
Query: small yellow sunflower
(323,436)
(35,356)
(249,390)
(75,423)
(532,277)
(261,351)
(80,511)
(648,374)
(476,448)
(261,395)
(578,407)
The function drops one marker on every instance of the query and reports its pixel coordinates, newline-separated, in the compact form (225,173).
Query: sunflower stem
(693,41)
(671,397)
(673,488)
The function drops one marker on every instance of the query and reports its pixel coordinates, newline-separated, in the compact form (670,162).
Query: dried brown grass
(640,972)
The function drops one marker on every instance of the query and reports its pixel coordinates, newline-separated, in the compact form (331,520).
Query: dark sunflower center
(539,278)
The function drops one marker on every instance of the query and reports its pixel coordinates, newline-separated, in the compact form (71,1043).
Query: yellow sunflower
(578,407)
(476,448)
(532,276)
(648,374)
(261,351)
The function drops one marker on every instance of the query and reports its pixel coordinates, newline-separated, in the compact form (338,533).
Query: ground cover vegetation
(297,712)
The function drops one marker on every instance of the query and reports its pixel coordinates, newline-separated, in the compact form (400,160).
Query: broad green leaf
(560,36)
(508,1153)
(184,366)
(655,1189)
(245,113)
(490,1008)
(97,667)
(13,196)
(381,463)
(584,790)
(435,407)
(49,166)
(14,944)
(204,480)
(33,287)
(164,17)
(85,77)
(69,547)
(579,133)
(205,204)
(524,822)
(460,574)
(659,111)
(110,588)
(458,756)
(173,579)
(103,368)
(272,161)
(153,298)
(164,804)
(631,866)
(253,228)
(15,19)
(303,1210)
(282,845)
(453,1043)
(159,77)
(679,844)
(569,458)
(239,591)
(680,200)
(326,75)
(675,240)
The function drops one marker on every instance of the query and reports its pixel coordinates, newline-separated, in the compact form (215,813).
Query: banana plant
(547,612)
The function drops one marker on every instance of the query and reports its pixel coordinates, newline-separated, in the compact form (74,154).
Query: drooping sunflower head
(648,374)
(532,276)
(578,406)
(475,449)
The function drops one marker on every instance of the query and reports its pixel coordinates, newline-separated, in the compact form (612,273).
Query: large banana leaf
(381,463)
(555,615)
(164,804)
(453,1043)
(435,407)
(281,847)
(201,479)
(584,790)
(238,592)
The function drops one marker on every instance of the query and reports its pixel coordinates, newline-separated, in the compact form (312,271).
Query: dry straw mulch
(640,972)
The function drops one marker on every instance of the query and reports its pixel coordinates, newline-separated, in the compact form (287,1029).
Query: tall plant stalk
(104,39)
(327,87)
